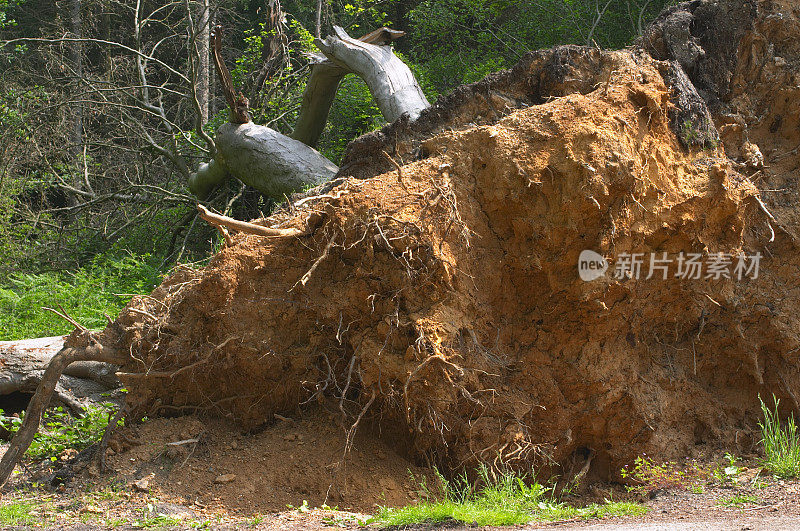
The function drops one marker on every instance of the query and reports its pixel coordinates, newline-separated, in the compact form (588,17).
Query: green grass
(739,500)
(505,500)
(86,294)
(18,513)
(781,448)
(160,521)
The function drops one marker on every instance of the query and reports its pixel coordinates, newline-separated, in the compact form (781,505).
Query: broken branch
(243,226)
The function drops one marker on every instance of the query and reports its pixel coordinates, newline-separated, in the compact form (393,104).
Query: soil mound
(207,463)
(442,302)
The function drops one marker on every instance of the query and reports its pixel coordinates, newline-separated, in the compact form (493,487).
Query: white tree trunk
(323,82)
(270,162)
(390,81)
(275,164)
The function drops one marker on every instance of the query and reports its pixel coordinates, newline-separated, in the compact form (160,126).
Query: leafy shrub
(60,430)
(648,476)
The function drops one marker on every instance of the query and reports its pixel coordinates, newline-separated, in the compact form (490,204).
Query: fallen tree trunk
(80,346)
(323,82)
(269,161)
(391,83)
(276,164)
(23,364)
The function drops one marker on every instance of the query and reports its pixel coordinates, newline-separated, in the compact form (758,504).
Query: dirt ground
(441,299)
(151,486)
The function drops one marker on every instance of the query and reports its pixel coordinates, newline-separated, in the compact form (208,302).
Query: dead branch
(242,226)
(66,317)
(237,103)
(101,448)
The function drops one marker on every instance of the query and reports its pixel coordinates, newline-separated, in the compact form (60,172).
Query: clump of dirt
(442,302)
(208,463)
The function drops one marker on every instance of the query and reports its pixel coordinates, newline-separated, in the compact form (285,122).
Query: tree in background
(107,107)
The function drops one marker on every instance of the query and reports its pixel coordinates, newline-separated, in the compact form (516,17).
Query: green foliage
(505,499)
(60,430)
(459,41)
(738,500)
(781,446)
(5,7)
(87,295)
(17,513)
(726,473)
(353,113)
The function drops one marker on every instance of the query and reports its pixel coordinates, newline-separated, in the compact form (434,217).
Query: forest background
(106,107)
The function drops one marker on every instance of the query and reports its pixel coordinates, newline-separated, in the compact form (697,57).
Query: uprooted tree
(436,289)
(276,164)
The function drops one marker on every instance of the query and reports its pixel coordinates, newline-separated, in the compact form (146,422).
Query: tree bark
(203,66)
(390,81)
(270,162)
(318,21)
(323,82)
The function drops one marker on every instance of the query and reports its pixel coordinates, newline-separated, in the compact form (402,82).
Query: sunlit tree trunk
(203,67)
(76,60)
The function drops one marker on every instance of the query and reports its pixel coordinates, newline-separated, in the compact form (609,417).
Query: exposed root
(305,278)
(242,226)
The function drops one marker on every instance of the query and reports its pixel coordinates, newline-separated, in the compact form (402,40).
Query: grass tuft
(739,500)
(18,513)
(507,499)
(781,448)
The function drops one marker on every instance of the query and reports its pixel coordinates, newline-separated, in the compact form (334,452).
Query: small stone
(69,453)
(110,452)
(234,445)
(225,478)
(142,485)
